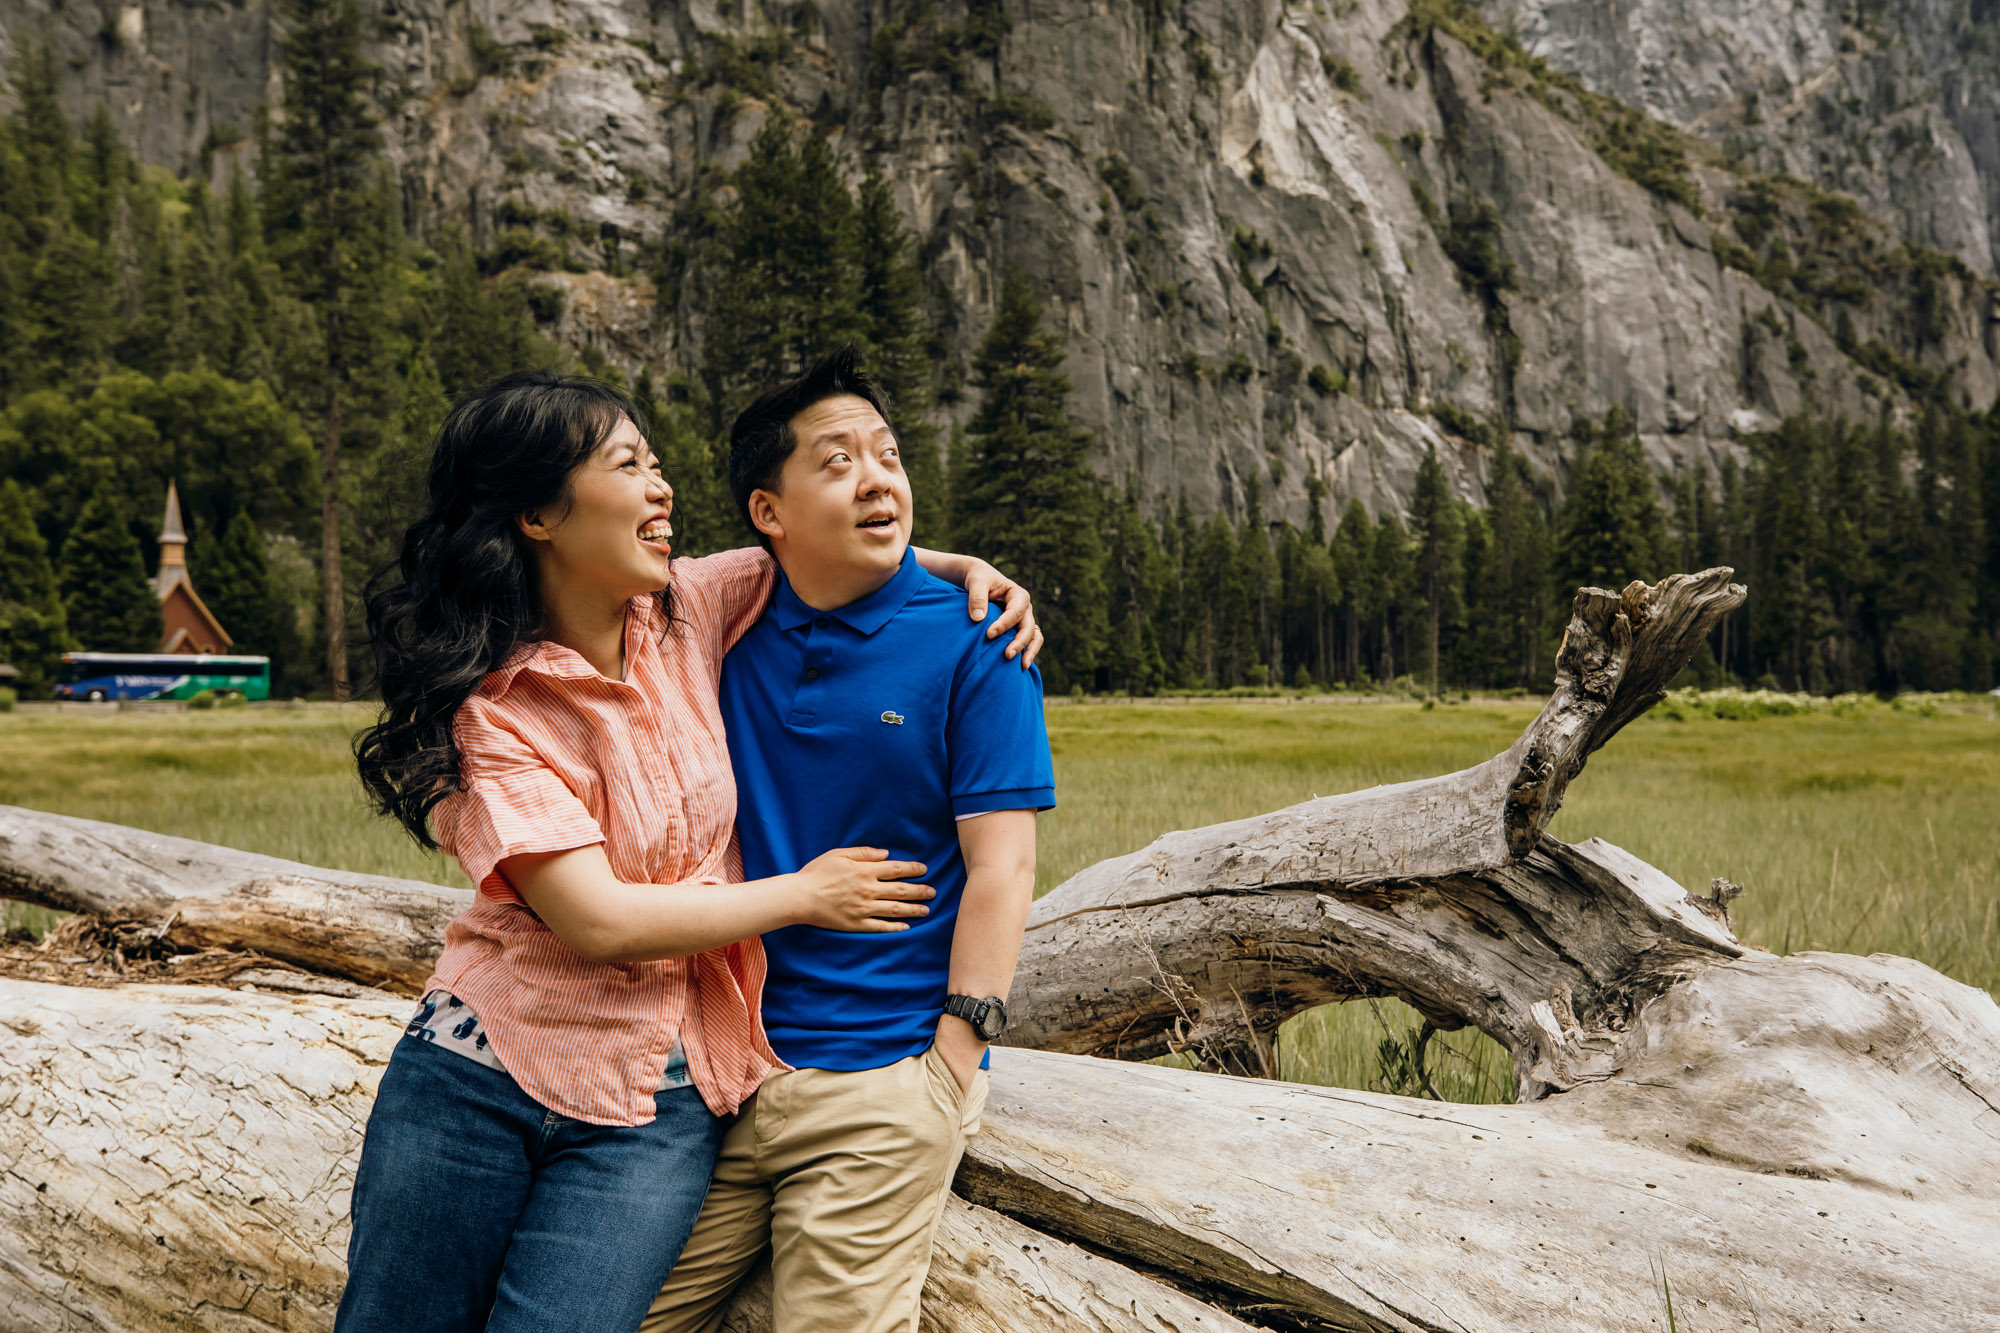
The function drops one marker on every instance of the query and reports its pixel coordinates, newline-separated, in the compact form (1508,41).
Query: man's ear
(764,514)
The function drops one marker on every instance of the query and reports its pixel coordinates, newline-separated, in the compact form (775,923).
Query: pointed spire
(170,525)
(173,546)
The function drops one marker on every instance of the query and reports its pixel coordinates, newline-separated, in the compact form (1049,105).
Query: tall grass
(1860,828)
(274,780)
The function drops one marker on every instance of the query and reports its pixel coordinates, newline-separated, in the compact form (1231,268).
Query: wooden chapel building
(190,626)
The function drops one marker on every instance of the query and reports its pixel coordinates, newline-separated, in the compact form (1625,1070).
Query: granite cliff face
(1895,104)
(1288,241)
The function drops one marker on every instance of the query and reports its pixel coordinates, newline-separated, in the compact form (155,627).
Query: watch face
(992,1020)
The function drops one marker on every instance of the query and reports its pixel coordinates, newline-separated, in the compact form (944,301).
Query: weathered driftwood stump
(1807,1142)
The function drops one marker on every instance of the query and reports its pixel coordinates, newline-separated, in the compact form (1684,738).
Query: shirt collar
(864,615)
(546,657)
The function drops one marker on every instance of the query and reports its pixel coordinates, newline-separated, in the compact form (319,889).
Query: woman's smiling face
(613,535)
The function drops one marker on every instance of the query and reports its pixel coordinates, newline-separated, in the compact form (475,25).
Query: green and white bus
(101,677)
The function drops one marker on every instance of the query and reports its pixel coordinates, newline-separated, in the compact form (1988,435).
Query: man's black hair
(761,439)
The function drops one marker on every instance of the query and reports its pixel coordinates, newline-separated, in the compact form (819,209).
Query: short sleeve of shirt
(720,596)
(512,802)
(996,740)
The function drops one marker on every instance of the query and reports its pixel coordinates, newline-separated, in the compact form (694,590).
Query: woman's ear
(533,528)
(764,514)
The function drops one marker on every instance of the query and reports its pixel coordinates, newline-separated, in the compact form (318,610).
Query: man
(862,709)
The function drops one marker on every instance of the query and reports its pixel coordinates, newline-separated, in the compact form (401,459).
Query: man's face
(842,504)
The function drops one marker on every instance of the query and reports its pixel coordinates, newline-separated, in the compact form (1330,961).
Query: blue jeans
(476,1207)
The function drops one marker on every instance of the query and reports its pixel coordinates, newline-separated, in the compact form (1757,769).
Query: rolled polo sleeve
(722,595)
(997,741)
(512,802)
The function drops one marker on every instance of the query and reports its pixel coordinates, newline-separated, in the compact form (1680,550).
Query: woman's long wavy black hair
(462,595)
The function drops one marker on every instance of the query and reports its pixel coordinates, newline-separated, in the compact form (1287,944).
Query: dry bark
(1802,1142)
(176,1157)
(1773,1173)
(1444,892)
(189,895)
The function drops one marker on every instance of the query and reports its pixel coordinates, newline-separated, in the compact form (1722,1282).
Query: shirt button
(813,674)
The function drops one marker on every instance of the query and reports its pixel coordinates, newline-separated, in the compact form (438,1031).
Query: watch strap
(973,1009)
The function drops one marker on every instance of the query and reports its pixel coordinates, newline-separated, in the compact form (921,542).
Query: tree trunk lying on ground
(1801,1142)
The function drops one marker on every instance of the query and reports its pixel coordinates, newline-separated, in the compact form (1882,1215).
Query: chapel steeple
(173,546)
(190,626)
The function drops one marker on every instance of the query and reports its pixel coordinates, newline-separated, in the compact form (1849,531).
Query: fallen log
(176,1157)
(1765,1142)
(1769,1172)
(178,894)
(1443,892)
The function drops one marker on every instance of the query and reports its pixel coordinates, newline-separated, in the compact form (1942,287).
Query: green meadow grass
(1864,828)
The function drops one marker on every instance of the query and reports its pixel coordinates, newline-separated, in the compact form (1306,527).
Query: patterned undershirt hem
(449,1022)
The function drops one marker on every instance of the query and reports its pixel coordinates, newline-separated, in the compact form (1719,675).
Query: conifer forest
(281,345)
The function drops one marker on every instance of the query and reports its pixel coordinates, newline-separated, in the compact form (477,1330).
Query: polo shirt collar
(864,615)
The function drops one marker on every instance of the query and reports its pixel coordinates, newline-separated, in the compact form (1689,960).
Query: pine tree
(748,349)
(1175,615)
(1612,528)
(1254,594)
(206,282)
(1305,567)
(41,133)
(898,332)
(1519,593)
(234,576)
(1135,575)
(253,296)
(1962,517)
(110,604)
(97,184)
(1989,486)
(34,630)
(1735,552)
(789,285)
(319,197)
(1784,617)
(826,251)
(68,331)
(157,336)
(479,331)
(1437,553)
(1028,501)
(1845,561)
(1479,653)
(13,249)
(1392,591)
(1211,570)
(1353,551)
(62,317)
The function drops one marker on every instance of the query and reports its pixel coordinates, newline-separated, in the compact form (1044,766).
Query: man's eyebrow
(841,435)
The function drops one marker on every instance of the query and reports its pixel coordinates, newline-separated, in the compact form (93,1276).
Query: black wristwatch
(988,1016)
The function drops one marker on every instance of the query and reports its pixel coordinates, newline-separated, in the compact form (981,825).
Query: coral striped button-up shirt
(554,756)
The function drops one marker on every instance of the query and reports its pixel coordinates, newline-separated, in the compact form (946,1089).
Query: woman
(544,1133)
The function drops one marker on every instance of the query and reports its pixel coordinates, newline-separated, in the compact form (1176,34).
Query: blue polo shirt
(875,725)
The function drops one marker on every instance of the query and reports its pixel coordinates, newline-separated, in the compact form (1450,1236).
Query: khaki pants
(842,1176)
